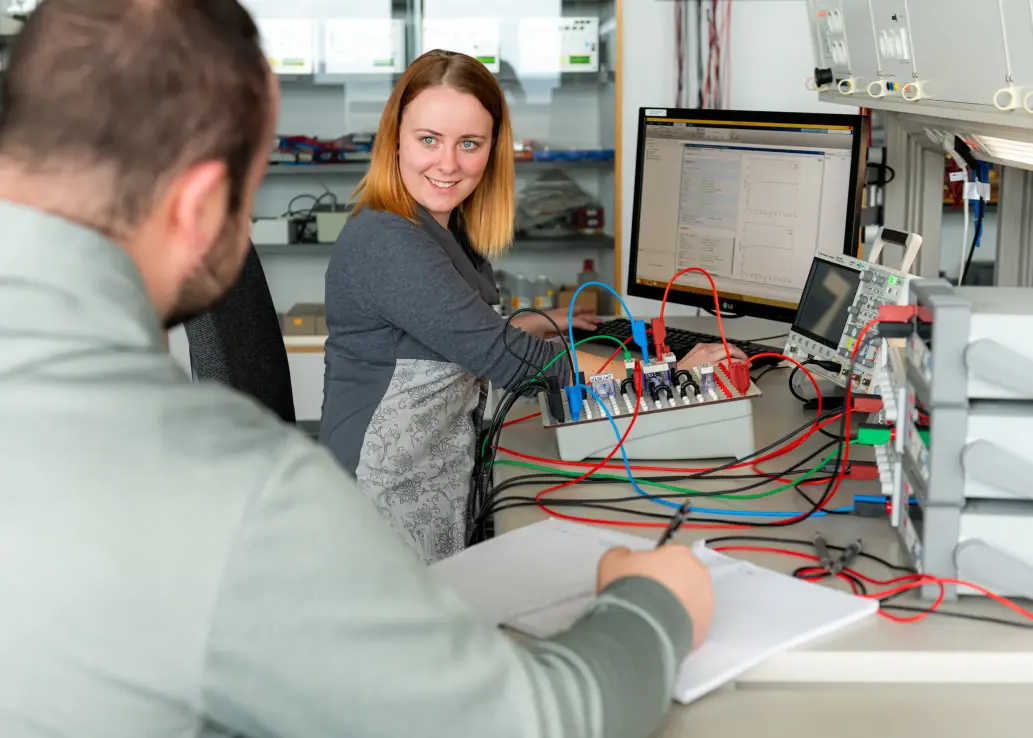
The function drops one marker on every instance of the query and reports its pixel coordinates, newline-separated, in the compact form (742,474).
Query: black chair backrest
(239,343)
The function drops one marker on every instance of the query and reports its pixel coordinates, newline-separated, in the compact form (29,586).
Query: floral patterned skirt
(417,456)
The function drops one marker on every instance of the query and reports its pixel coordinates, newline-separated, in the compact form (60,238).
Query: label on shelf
(551,45)
(476,37)
(364,46)
(289,44)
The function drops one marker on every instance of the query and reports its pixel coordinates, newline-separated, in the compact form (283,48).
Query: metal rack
(986,101)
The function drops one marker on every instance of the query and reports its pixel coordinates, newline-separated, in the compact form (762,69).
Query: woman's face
(443,148)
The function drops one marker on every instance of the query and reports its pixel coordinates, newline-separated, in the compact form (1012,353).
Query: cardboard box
(588,299)
(302,318)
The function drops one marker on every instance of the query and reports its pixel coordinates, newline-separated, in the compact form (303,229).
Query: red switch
(739,375)
(660,338)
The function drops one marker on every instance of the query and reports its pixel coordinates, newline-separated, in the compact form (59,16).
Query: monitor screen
(826,299)
(748,196)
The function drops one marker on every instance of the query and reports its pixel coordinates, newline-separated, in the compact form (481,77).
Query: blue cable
(983,176)
(677,505)
(570,319)
(979,203)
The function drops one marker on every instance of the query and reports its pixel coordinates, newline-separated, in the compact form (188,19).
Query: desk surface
(939,650)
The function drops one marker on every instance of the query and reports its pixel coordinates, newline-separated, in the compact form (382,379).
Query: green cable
(627,351)
(689,492)
(659,485)
(557,357)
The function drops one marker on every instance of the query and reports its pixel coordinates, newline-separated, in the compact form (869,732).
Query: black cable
(809,544)
(290,206)
(801,398)
(523,359)
(809,501)
(767,369)
(960,615)
(539,478)
(842,440)
(792,386)
(481,474)
(815,507)
(883,602)
(483,488)
(307,220)
(975,240)
(518,502)
(881,181)
(491,497)
(721,521)
(809,574)
(784,439)
(765,338)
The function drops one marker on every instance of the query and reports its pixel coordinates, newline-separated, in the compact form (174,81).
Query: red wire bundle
(897,585)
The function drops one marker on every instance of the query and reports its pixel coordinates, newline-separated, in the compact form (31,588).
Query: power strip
(714,425)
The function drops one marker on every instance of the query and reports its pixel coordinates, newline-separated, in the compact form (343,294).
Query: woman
(409,295)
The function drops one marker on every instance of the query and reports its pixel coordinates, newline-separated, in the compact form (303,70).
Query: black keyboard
(681,341)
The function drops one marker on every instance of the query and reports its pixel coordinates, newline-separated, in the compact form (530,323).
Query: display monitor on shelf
(748,196)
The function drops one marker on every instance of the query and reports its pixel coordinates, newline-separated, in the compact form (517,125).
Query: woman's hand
(536,325)
(709,353)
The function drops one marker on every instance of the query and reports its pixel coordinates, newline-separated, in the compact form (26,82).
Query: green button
(893,280)
(580,59)
(486,59)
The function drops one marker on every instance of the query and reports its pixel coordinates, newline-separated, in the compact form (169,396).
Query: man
(174,560)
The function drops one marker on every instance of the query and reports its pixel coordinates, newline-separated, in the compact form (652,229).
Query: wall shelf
(523,243)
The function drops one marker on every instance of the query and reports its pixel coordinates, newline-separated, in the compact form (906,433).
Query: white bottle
(544,293)
(521,294)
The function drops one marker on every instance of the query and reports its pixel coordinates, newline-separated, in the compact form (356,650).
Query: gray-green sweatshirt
(174,561)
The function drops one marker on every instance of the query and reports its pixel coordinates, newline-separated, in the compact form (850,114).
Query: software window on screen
(750,203)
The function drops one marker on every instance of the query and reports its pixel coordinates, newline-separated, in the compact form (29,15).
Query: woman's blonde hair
(489,211)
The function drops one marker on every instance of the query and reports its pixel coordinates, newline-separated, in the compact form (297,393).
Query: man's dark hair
(140,88)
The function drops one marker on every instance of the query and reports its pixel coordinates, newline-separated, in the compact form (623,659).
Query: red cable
(614,354)
(674,470)
(596,467)
(638,387)
(717,303)
(536,415)
(621,523)
(520,420)
(845,461)
(905,583)
(801,367)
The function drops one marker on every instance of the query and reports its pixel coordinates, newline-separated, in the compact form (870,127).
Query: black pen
(676,522)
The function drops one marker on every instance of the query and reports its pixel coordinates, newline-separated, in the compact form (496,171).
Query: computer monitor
(748,196)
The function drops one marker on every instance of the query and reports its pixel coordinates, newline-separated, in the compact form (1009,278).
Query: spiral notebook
(538,579)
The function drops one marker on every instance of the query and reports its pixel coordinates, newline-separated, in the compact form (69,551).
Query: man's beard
(214,278)
(192,304)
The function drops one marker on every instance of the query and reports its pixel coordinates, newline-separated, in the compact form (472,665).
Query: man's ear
(198,204)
